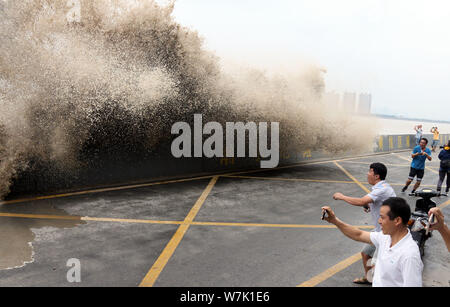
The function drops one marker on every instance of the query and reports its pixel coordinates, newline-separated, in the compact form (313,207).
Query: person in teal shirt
(419,155)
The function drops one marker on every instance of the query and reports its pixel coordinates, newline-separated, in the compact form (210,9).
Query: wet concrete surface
(34,249)
(16,235)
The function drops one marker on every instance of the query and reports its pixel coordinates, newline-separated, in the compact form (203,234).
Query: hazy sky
(399,50)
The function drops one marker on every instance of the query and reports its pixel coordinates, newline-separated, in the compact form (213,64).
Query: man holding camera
(419,155)
(372,202)
(398,261)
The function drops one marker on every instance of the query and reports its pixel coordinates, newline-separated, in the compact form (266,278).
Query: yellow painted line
(42,216)
(368,163)
(352,177)
(422,185)
(362,157)
(302,164)
(314,180)
(170,248)
(428,168)
(134,186)
(140,221)
(347,262)
(290,179)
(343,264)
(432,170)
(404,158)
(277,168)
(272,225)
(191,215)
(126,187)
(137,221)
(331,271)
(86,218)
(447,203)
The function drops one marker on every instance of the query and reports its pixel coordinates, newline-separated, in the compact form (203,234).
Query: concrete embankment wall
(45,179)
(401,141)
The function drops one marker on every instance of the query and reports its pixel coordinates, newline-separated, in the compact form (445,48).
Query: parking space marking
(273,225)
(170,248)
(349,261)
(368,163)
(422,185)
(172,245)
(289,179)
(136,221)
(343,264)
(331,271)
(310,180)
(141,185)
(93,191)
(86,218)
(447,203)
(352,177)
(140,221)
(42,216)
(305,163)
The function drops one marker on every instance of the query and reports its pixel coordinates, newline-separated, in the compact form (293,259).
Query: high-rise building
(364,103)
(349,102)
(332,100)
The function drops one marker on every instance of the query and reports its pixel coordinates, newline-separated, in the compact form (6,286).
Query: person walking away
(444,169)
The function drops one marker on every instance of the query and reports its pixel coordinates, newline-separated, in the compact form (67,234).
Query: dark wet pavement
(276,237)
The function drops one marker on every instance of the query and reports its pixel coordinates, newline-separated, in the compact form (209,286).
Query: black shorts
(416,172)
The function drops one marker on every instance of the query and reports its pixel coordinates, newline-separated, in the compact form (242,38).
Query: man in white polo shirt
(372,202)
(398,259)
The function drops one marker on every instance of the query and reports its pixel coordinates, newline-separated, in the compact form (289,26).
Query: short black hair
(379,169)
(425,139)
(398,208)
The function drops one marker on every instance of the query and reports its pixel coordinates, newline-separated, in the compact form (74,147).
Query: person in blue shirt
(444,168)
(419,155)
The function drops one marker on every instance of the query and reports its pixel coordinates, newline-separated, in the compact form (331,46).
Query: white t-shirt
(397,266)
(380,192)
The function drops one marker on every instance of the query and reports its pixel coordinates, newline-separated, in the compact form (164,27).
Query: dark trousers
(441,179)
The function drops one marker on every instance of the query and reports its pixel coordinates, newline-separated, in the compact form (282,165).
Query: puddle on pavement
(16,235)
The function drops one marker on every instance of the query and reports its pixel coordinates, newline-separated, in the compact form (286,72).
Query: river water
(396,126)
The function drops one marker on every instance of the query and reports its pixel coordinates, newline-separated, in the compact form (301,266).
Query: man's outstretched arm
(350,231)
(360,202)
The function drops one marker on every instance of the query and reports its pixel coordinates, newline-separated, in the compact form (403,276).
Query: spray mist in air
(76,91)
